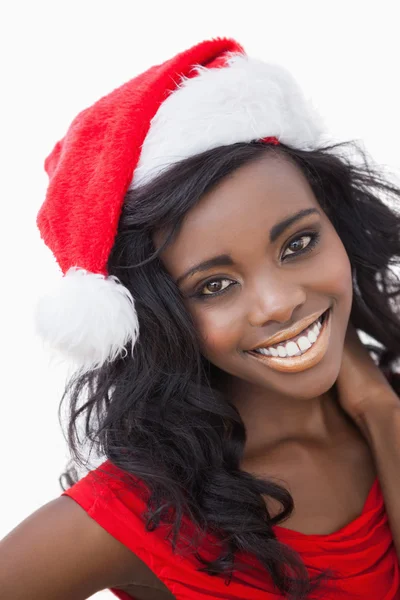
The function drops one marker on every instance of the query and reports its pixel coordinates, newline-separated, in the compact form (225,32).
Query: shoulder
(114,505)
(109,560)
(103,509)
(59,552)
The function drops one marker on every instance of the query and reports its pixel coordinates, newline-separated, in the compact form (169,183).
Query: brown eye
(298,244)
(215,286)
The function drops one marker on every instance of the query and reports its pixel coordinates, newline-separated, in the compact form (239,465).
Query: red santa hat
(208,96)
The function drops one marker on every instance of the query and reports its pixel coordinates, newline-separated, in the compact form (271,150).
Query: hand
(361,385)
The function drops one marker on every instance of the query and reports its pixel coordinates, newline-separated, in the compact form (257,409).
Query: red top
(362,552)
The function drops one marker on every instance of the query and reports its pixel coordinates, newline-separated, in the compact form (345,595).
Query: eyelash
(315,238)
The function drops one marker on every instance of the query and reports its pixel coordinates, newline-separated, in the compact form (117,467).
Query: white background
(59,57)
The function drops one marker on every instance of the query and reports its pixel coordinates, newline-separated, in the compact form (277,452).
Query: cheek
(338,272)
(219,331)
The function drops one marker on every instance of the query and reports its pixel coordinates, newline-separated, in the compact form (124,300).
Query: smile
(301,352)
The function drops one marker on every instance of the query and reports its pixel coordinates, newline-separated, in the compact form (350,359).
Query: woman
(219,256)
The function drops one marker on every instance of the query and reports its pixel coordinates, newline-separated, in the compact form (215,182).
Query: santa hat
(208,96)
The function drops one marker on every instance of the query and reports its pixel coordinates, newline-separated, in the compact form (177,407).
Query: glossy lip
(295,364)
(291,332)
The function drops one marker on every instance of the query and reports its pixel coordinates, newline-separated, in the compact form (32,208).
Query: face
(257,260)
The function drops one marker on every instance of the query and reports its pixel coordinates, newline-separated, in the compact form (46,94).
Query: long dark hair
(157,413)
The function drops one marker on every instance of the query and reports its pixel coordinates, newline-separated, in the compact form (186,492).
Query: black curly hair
(157,413)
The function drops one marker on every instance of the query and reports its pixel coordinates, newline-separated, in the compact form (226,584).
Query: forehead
(240,210)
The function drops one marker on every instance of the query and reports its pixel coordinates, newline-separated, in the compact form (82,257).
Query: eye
(214,287)
(303,243)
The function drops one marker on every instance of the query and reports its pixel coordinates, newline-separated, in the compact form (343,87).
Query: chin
(305,384)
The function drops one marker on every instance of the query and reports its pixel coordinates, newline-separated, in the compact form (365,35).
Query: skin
(296,429)
(291,419)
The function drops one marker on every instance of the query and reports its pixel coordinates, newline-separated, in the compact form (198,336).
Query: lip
(291,332)
(310,358)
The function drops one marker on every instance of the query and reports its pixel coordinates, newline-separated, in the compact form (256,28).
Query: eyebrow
(280,227)
(224,260)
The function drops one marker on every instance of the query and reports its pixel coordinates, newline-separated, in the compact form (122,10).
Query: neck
(271,418)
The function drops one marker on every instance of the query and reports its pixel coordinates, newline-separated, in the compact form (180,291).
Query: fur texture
(207,96)
(91,168)
(89,318)
(246,100)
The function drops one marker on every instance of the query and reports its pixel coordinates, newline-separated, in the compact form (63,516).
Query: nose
(274,299)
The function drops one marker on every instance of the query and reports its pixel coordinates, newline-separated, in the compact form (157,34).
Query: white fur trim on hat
(88,317)
(244,101)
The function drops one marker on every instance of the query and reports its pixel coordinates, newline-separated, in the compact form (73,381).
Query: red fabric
(270,140)
(91,168)
(362,552)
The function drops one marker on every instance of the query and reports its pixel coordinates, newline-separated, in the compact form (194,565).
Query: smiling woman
(243,259)
(276,244)
(238,248)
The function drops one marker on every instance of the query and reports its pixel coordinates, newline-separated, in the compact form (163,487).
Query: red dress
(362,552)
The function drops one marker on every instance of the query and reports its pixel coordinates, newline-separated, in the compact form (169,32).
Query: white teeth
(304,343)
(311,336)
(264,351)
(292,349)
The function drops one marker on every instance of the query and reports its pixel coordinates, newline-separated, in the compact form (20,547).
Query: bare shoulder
(60,552)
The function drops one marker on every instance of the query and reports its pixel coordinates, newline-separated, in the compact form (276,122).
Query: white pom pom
(88,317)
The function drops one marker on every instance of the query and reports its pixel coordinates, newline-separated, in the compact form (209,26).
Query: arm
(367,397)
(60,553)
(381,428)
